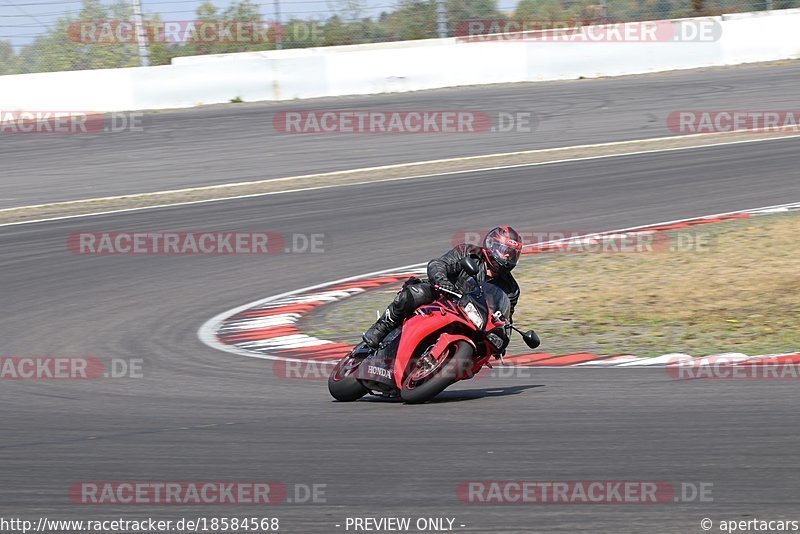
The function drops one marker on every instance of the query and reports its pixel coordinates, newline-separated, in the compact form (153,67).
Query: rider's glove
(446,284)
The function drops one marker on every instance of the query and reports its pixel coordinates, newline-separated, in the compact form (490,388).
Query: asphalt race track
(199,414)
(226,144)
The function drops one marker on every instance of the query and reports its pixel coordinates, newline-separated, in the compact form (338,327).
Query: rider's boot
(387,322)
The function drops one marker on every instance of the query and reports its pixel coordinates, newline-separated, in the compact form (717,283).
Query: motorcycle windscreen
(496,298)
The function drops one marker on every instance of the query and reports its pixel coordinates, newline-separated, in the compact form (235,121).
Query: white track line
(658,360)
(207,332)
(295,341)
(726,357)
(386,180)
(263,322)
(614,361)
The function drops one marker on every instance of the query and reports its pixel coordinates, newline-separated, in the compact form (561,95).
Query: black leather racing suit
(445,271)
(448,267)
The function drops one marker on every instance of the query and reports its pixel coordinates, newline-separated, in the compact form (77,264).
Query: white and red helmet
(502,247)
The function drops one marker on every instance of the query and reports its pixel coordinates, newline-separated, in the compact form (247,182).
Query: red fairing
(415,329)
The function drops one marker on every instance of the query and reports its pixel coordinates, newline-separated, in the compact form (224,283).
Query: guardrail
(405,66)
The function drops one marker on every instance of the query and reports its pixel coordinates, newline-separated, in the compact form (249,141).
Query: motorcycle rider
(497,258)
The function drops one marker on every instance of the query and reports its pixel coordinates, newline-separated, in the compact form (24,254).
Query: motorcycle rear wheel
(458,359)
(342,385)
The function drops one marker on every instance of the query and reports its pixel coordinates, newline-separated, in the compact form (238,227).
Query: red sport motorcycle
(446,341)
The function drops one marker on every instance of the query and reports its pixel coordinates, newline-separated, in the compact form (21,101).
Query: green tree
(161,53)
(347,10)
(335,32)
(539,10)
(205,13)
(459,10)
(8,59)
(414,19)
(63,47)
(241,11)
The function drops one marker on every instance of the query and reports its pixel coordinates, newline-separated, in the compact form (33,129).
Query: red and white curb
(267,328)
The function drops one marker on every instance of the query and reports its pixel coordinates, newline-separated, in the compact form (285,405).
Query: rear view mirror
(470,265)
(531,339)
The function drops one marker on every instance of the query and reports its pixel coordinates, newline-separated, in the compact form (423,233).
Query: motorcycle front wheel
(429,378)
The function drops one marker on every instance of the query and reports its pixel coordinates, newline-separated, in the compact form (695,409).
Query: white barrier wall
(394,67)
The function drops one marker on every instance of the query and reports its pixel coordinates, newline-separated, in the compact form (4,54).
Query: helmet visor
(504,255)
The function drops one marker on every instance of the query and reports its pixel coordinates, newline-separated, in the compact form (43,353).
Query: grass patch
(737,294)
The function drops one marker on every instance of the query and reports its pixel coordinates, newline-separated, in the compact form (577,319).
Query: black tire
(459,360)
(342,385)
